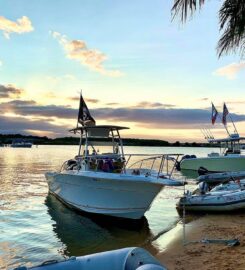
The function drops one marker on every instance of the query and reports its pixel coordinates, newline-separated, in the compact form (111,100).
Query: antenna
(224,126)
(205,134)
(210,133)
(235,129)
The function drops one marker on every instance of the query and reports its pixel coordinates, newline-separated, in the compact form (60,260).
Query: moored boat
(20,143)
(221,177)
(230,158)
(121,259)
(105,183)
(215,201)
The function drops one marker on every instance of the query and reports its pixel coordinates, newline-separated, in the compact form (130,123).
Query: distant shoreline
(37,140)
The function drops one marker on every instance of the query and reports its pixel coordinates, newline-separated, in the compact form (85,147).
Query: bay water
(35,226)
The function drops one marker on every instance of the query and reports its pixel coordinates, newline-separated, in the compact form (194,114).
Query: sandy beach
(176,256)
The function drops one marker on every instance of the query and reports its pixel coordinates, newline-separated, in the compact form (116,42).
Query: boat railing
(158,165)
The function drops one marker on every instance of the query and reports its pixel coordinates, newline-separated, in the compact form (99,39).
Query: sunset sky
(135,65)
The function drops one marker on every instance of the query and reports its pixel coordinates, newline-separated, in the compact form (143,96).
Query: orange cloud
(230,71)
(92,58)
(22,25)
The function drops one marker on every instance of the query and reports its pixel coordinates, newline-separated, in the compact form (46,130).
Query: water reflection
(84,234)
(35,228)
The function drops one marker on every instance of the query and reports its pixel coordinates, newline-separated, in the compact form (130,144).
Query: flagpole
(79,107)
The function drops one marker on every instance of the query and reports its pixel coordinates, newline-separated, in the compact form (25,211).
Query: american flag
(225,113)
(214,114)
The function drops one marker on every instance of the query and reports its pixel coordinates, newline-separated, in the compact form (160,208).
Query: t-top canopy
(229,139)
(98,131)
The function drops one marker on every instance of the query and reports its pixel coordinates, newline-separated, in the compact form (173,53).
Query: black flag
(84,116)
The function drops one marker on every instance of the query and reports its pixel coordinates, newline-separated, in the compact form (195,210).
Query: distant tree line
(37,140)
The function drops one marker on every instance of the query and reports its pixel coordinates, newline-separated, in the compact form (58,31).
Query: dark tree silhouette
(231,22)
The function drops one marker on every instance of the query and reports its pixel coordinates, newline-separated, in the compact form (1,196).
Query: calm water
(35,226)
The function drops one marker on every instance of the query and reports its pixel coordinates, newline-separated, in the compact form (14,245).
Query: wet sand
(176,256)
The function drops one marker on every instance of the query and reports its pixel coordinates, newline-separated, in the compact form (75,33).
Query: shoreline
(176,256)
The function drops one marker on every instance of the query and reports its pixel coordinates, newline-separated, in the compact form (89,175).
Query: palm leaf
(232,23)
(231,17)
(184,7)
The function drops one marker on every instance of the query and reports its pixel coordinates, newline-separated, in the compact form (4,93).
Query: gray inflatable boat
(121,259)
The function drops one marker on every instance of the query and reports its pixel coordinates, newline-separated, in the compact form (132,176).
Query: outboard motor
(71,163)
(177,166)
(202,171)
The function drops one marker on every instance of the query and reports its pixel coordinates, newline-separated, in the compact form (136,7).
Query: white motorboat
(105,183)
(229,159)
(214,201)
(121,259)
(20,143)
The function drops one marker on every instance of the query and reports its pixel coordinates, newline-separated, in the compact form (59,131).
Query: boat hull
(215,164)
(115,195)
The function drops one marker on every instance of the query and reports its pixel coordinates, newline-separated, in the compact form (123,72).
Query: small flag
(84,116)
(214,114)
(225,113)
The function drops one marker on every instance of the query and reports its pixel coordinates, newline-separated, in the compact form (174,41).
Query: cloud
(23,125)
(10,91)
(93,59)
(92,100)
(31,108)
(1,63)
(22,25)
(162,118)
(146,104)
(236,102)
(89,100)
(230,71)
(112,103)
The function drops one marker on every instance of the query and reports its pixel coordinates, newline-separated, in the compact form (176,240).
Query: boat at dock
(230,158)
(213,201)
(20,143)
(109,183)
(121,259)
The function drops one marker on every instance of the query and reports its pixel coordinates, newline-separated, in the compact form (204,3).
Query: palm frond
(232,23)
(186,8)
(231,19)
